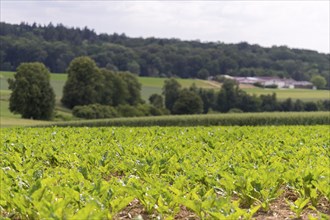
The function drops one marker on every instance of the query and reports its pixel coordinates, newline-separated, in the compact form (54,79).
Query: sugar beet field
(266,172)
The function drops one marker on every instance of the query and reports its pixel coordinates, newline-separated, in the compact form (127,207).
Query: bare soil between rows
(279,209)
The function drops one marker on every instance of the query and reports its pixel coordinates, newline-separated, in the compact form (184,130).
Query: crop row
(154,172)
(251,119)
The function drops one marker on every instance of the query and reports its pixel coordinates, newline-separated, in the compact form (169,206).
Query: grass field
(303,94)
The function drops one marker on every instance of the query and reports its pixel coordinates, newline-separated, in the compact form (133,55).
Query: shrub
(130,111)
(95,111)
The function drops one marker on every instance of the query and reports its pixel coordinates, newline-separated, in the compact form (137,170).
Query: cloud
(301,24)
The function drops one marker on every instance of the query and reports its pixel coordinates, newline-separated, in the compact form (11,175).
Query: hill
(57,45)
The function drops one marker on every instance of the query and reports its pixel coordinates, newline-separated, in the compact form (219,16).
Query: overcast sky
(296,24)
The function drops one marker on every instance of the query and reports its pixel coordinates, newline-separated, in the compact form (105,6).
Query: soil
(279,209)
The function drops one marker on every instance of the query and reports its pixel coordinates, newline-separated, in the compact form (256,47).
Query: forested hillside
(57,45)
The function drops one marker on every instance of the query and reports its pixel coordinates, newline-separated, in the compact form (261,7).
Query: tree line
(93,92)
(57,45)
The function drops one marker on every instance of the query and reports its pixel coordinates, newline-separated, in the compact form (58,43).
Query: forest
(57,45)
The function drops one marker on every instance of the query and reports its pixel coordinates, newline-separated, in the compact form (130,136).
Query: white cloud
(301,24)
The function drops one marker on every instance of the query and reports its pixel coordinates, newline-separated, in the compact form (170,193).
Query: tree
(188,102)
(298,106)
(84,83)
(32,95)
(269,102)
(133,87)
(171,90)
(208,97)
(133,67)
(228,96)
(114,91)
(287,105)
(203,74)
(319,81)
(311,106)
(156,100)
(249,103)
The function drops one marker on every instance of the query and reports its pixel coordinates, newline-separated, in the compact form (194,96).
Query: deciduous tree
(188,102)
(171,91)
(32,95)
(84,83)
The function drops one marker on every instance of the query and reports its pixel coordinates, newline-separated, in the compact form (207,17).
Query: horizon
(295,24)
(166,38)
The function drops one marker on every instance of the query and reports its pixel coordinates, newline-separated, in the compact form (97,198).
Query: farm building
(266,81)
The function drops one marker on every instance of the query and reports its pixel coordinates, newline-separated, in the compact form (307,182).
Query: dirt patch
(280,209)
(185,214)
(116,174)
(134,210)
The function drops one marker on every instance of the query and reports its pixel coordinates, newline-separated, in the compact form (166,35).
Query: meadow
(216,172)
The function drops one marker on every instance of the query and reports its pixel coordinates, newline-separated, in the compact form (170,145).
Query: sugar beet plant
(214,172)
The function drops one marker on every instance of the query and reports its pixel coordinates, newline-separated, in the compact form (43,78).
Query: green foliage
(87,84)
(133,86)
(208,97)
(56,46)
(229,96)
(171,90)
(84,83)
(298,206)
(130,111)
(203,74)
(97,111)
(269,102)
(133,67)
(319,81)
(114,89)
(94,111)
(215,172)
(32,95)
(188,102)
(156,100)
(229,119)
(311,106)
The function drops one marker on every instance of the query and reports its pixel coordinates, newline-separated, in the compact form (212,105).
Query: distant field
(8,119)
(152,85)
(19,122)
(281,94)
